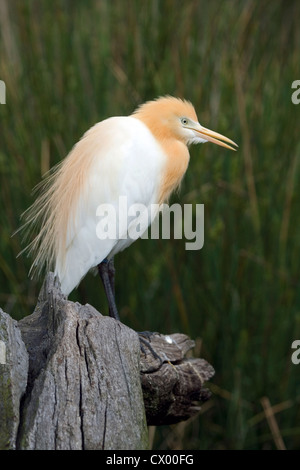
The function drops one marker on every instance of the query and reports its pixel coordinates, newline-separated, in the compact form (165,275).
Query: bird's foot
(145,340)
(147,334)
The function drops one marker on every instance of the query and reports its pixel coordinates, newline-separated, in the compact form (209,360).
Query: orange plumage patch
(161,117)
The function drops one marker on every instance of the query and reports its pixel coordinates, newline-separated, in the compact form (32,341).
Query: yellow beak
(214,137)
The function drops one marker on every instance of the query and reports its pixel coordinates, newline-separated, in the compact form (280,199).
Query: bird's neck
(177,157)
(176,165)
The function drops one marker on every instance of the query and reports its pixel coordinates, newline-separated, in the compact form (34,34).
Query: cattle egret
(142,156)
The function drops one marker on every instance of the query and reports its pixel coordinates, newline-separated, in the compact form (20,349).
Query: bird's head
(170,117)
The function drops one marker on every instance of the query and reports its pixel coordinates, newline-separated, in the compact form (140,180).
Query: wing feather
(116,157)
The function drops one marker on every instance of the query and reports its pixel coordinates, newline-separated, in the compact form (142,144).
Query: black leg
(111,274)
(107,276)
(106,271)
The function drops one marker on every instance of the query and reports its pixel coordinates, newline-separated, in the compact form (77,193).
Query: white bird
(142,157)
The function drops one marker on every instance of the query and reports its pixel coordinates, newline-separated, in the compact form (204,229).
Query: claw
(146,342)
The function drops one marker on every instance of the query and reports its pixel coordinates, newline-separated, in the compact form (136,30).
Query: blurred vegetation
(68,64)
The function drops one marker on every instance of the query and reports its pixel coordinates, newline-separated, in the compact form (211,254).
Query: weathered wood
(89,385)
(13,379)
(84,390)
(173,390)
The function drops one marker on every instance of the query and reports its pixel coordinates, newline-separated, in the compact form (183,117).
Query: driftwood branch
(74,379)
(173,390)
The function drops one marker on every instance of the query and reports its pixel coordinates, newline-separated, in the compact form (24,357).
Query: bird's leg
(103,269)
(107,273)
(111,274)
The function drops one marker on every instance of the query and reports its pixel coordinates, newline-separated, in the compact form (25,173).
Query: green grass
(69,64)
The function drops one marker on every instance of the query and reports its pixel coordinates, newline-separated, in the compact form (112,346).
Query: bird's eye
(184,121)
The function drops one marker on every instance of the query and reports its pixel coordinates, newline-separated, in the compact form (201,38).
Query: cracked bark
(78,380)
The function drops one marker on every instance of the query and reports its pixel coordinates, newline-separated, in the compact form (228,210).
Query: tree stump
(13,379)
(74,379)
